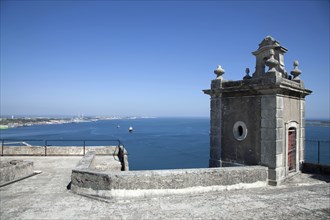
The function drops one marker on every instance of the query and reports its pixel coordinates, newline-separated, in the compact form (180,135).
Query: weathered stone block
(86,161)
(302,134)
(216,84)
(268,102)
(268,133)
(302,105)
(280,134)
(276,175)
(269,113)
(279,113)
(279,102)
(14,169)
(214,163)
(268,123)
(268,152)
(279,144)
(279,122)
(272,133)
(279,161)
(215,153)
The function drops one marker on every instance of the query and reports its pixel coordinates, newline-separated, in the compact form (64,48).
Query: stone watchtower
(259,120)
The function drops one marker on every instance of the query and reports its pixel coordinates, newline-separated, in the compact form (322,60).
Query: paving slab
(44,196)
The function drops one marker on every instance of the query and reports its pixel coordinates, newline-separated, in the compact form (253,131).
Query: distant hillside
(314,122)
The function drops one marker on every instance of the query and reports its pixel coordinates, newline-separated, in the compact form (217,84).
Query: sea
(154,143)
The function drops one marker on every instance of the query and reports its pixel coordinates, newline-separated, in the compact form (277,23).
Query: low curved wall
(162,182)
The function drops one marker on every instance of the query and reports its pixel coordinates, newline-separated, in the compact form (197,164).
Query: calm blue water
(158,143)
(314,134)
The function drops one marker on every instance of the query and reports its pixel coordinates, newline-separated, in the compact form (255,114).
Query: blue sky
(149,58)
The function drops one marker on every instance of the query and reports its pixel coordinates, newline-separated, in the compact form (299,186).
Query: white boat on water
(130,129)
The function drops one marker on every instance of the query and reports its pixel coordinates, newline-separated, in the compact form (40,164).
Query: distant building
(259,120)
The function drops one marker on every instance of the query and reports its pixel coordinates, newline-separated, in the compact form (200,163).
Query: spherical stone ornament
(295,63)
(219,72)
(295,72)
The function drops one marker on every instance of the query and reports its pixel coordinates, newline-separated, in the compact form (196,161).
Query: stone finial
(295,72)
(219,72)
(263,54)
(247,76)
(271,62)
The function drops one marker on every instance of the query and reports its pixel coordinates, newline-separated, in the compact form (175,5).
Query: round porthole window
(240,130)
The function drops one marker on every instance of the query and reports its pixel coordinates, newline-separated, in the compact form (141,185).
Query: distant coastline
(12,122)
(317,122)
(6,123)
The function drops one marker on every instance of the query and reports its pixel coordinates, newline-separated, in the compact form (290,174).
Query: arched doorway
(292,149)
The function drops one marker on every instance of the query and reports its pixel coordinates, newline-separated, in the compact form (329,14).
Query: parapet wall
(118,151)
(163,182)
(57,150)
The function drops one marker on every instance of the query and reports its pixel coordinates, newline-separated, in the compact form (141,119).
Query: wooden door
(292,149)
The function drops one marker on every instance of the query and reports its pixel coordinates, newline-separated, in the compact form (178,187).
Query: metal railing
(319,156)
(59,142)
(316,151)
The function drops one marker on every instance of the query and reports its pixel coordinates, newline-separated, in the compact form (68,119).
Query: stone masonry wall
(236,109)
(272,132)
(56,150)
(215,127)
(160,182)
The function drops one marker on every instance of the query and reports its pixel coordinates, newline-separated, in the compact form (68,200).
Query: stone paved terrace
(44,196)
